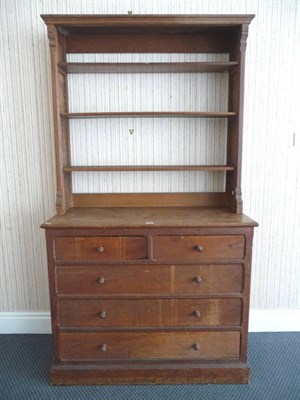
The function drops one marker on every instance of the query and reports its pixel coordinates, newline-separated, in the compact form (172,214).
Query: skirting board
(260,321)
(25,322)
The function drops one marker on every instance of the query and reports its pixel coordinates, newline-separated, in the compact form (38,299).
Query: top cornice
(162,20)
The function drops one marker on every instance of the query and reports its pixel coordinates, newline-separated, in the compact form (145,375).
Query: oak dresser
(149,287)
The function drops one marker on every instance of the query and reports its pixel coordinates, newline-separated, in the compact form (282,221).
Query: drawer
(149,345)
(202,248)
(149,313)
(100,248)
(150,279)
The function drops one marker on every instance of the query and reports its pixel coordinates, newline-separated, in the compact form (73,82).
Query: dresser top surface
(136,217)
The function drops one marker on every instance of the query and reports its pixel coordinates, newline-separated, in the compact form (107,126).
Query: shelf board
(150,67)
(148,114)
(81,168)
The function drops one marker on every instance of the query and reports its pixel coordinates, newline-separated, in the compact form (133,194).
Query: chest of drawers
(140,304)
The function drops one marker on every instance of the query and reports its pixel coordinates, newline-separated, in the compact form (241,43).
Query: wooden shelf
(147,114)
(94,168)
(161,67)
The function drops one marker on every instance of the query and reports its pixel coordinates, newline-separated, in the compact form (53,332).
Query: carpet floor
(274,360)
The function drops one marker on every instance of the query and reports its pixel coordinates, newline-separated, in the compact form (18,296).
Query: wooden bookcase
(149,287)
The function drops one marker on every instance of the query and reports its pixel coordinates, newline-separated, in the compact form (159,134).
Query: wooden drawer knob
(101,280)
(100,249)
(197,314)
(102,314)
(196,347)
(103,347)
(199,248)
(198,279)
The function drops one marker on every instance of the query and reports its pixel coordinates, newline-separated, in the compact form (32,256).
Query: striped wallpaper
(271,157)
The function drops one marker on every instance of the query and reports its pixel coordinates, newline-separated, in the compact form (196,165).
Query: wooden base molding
(173,373)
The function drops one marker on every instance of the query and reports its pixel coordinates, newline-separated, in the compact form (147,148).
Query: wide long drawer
(150,345)
(149,313)
(150,279)
(201,248)
(100,248)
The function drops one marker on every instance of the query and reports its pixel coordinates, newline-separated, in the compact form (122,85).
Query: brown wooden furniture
(149,287)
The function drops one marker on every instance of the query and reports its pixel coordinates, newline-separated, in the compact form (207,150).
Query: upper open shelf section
(169,103)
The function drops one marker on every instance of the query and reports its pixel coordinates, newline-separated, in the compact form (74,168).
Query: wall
(271,166)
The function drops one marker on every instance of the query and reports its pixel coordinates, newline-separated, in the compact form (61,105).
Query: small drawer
(100,248)
(150,345)
(149,279)
(202,248)
(149,313)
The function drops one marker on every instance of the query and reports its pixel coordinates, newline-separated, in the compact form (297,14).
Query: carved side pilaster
(238,197)
(244,36)
(52,36)
(59,199)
